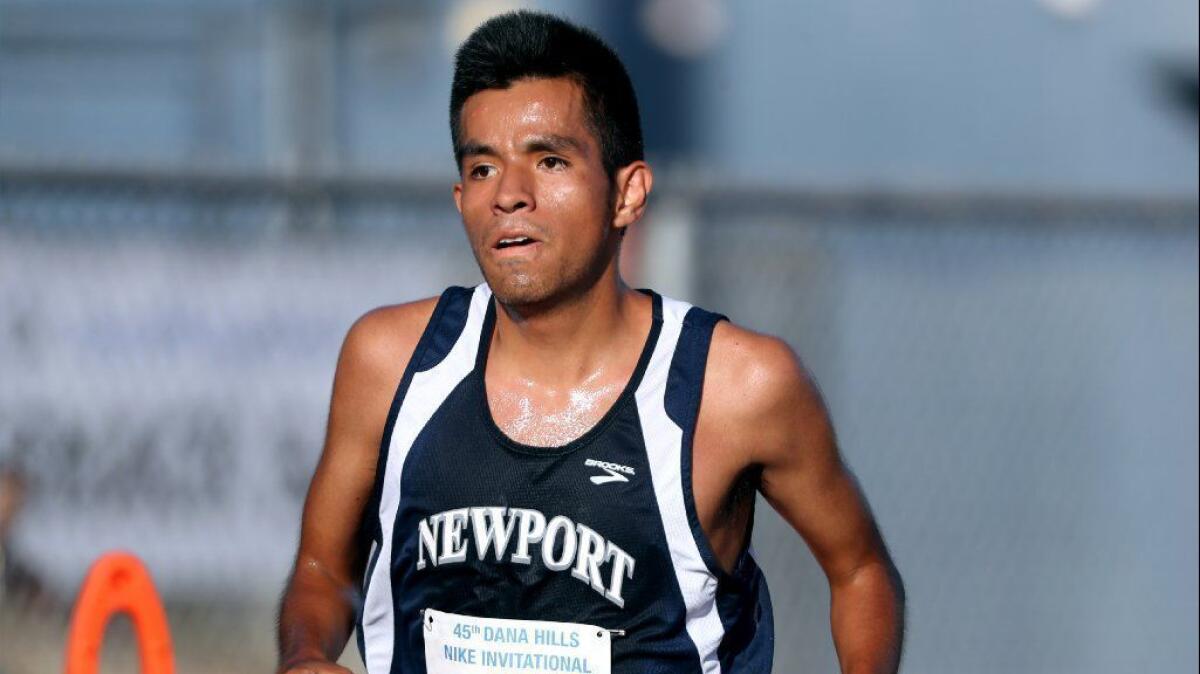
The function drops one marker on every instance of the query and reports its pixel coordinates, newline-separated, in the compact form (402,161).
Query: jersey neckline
(631,387)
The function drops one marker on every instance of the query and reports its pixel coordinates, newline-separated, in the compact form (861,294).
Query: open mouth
(514,242)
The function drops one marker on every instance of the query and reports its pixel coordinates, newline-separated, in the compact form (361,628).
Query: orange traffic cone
(118,582)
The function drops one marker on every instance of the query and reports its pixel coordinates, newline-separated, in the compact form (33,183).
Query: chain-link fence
(1014,381)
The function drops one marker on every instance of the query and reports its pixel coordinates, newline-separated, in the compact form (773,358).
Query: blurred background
(975,221)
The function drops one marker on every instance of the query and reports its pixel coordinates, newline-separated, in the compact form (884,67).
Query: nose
(514,192)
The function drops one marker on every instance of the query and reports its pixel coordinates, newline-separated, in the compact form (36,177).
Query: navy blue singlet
(601,531)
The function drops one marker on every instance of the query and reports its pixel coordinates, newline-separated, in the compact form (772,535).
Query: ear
(458,196)
(633,184)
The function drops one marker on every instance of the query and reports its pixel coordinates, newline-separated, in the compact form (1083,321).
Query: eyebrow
(472,148)
(543,143)
(555,143)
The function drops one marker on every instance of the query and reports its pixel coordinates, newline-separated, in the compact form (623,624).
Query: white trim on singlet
(426,393)
(664,440)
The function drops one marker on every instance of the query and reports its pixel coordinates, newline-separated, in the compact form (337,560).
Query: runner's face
(534,197)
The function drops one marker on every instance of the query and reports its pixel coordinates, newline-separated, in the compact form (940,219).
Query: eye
(482,171)
(554,163)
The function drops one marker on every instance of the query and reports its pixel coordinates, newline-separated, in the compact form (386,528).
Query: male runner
(567,471)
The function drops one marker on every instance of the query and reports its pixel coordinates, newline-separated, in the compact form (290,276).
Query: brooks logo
(614,472)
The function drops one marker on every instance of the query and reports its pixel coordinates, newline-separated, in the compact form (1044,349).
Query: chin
(520,290)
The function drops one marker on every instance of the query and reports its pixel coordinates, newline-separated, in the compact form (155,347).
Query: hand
(313,667)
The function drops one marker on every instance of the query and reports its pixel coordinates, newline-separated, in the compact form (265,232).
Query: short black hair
(522,45)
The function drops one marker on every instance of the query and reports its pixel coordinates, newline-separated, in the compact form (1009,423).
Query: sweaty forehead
(527,107)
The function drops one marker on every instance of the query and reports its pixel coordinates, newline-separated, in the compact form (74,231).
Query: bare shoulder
(374,355)
(753,371)
(756,385)
(383,339)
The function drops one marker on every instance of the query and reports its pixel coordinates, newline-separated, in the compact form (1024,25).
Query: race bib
(458,644)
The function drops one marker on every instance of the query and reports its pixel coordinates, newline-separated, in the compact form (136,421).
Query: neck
(570,339)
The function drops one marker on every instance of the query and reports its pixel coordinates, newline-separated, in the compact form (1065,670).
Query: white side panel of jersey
(663,446)
(426,393)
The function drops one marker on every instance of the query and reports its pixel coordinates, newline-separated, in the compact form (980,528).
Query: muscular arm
(318,608)
(784,431)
